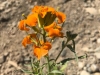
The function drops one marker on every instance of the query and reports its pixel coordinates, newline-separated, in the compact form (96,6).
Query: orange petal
(58,27)
(51,9)
(47,45)
(35,9)
(55,33)
(31,20)
(40,52)
(61,17)
(26,41)
(22,25)
(47,28)
(29,39)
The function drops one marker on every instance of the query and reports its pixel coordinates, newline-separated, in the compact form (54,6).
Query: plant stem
(76,57)
(61,51)
(48,65)
(44,35)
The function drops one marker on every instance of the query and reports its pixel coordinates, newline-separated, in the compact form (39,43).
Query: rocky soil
(83,18)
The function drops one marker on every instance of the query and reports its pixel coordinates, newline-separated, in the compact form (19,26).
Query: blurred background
(83,18)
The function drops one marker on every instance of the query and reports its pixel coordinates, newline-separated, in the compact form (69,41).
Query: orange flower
(31,38)
(49,14)
(22,25)
(31,20)
(42,50)
(54,30)
(41,10)
(46,14)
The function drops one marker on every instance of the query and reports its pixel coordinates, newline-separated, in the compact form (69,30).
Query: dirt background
(83,18)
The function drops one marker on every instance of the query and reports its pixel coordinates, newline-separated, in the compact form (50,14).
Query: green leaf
(56,72)
(64,66)
(26,71)
(71,48)
(65,60)
(70,35)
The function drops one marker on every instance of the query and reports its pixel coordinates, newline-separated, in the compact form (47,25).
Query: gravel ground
(83,18)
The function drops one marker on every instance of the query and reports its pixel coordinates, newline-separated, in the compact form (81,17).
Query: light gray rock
(84,73)
(94,68)
(92,11)
(3,5)
(96,73)
(81,65)
(98,40)
(87,32)
(87,49)
(7,10)
(97,55)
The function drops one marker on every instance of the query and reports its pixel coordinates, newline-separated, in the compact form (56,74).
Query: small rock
(7,10)
(81,65)
(3,5)
(92,11)
(1,8)
(96,73)
(90,17)
(93,39)
(5,18)
(98,40)
(14,64)
(93,60)
(87,49)
(99,11)
(97,55)
(84,73)
(93,68)
(2,59)
(6,54)
(87,32)
(27,59)
(85,5)
(84,68)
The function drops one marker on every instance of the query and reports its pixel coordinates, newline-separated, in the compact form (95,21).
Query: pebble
(99,11)
(98,40)
(93,39)
(93,68)
(5,18)
(3,5)
(81,65)
(92,11)
(6,54)
(96,73)
(87,32)
(27,59)
(2,59)
(84,73)
(87,49)
(97,55)
(7,10)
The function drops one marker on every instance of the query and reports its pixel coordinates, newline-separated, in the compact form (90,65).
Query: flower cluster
(45,21)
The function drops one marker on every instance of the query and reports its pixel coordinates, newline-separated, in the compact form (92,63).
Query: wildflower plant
(45,23)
